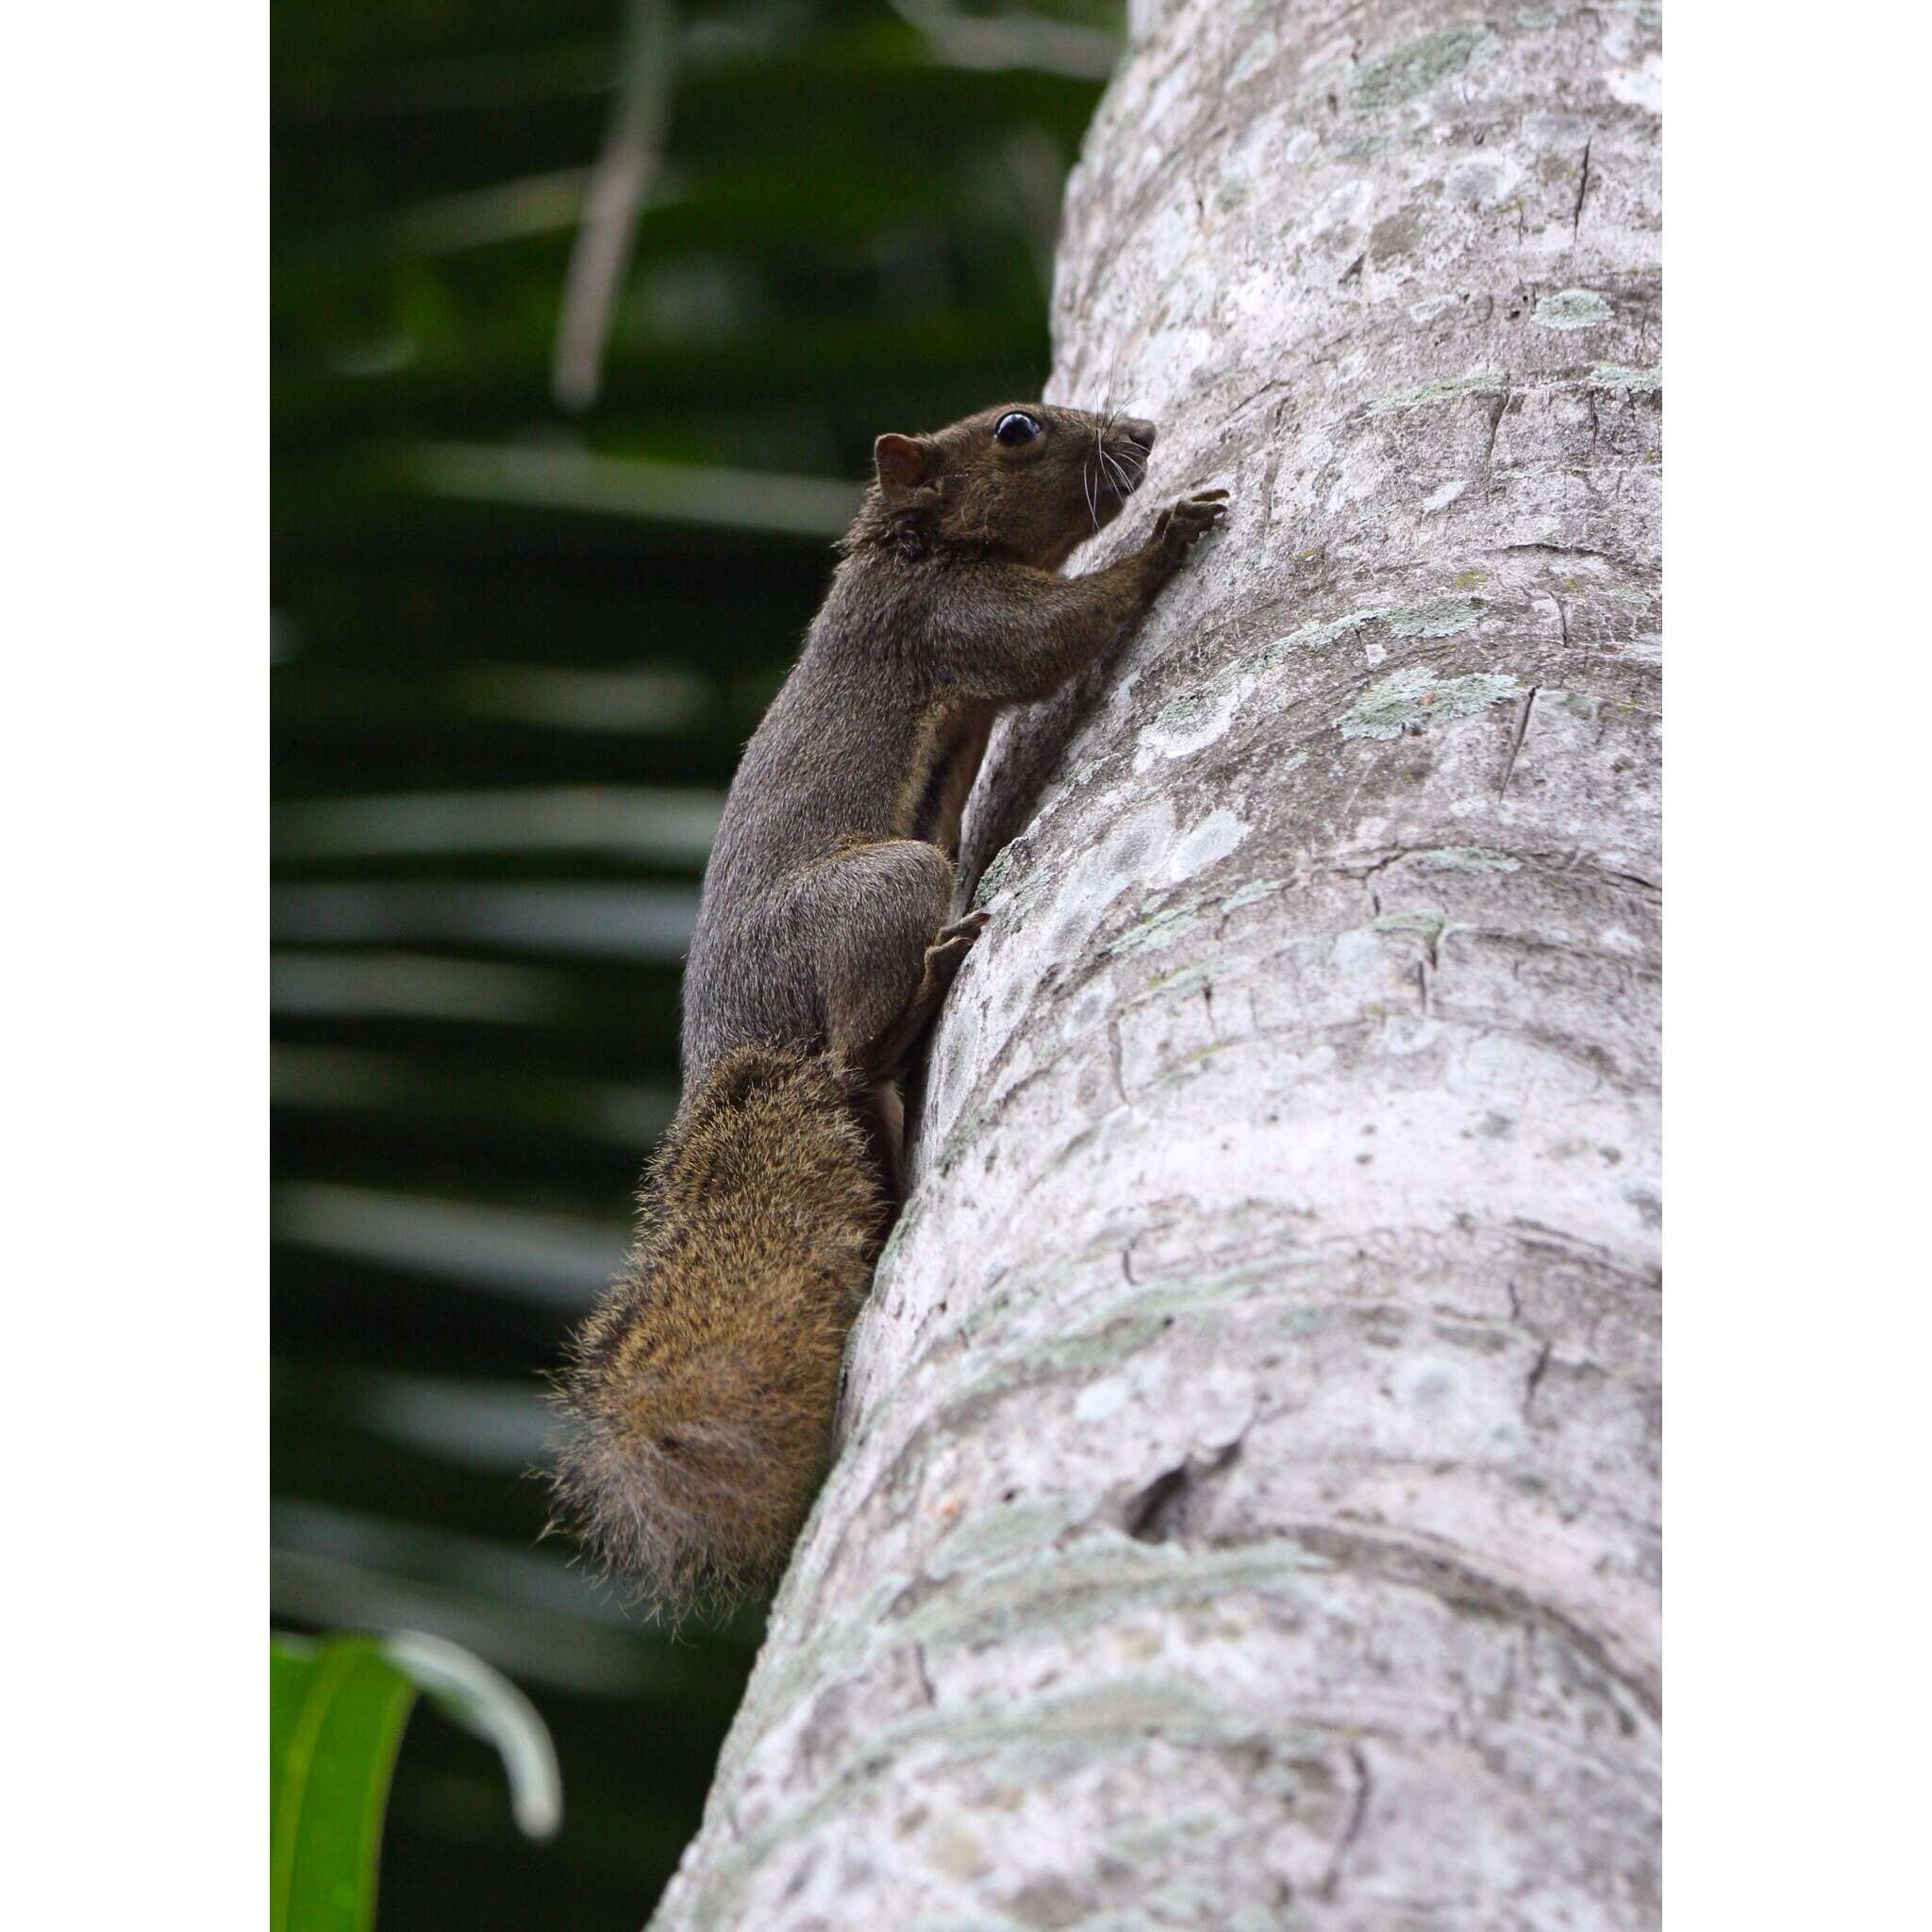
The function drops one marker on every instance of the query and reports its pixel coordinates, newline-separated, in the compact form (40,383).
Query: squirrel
(700,1394)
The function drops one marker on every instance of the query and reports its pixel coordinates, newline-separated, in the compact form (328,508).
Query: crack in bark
(1522,732)
(1536,1376)
(1462,1587)
(1158,1513)
(1549,550)
(1501,404)
(1114,1046)
(1152,1513)
(1582,189)
(1255,395)
(1353,1829)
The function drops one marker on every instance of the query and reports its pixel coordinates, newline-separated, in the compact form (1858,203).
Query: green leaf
(336,1721)
(336,1715)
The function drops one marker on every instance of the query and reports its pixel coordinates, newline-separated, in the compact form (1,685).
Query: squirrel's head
(1027,480)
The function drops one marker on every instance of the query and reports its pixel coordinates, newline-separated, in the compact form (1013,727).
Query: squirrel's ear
(902,461)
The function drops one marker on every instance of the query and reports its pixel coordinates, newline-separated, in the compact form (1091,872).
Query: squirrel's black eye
(1016,426)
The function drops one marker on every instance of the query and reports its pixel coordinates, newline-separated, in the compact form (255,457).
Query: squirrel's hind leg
(889,951)
(889,1056)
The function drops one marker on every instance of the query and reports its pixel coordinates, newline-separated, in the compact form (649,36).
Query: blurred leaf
(563,1261)
(563,480)
(1013,38)
(674,826)
(489,1706)
(618,187)
(621,922)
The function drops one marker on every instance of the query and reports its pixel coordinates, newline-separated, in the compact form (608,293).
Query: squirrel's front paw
(1182,525)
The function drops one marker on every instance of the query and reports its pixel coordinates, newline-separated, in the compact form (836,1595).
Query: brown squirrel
(702,1390)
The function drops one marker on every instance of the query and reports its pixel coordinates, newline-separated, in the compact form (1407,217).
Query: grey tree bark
(1247,1507)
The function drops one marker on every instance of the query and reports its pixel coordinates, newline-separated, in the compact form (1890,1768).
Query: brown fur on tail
(701,1392)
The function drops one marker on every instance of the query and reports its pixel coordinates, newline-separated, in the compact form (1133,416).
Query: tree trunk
(1247,1507)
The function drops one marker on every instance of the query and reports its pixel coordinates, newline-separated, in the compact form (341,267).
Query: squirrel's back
(701,1392)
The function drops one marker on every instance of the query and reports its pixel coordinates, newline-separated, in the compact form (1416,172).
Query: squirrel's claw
(968,929)
(951,944)
(1184,522)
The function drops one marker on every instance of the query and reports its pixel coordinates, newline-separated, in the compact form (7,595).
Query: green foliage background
(516,652)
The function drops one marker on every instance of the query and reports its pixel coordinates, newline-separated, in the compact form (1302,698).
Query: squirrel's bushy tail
(701,1392)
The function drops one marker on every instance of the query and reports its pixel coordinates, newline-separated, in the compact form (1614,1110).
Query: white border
(133,608)
(134,141)
(1797,1340)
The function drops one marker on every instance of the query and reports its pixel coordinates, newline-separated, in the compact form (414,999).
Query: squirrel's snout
(1124,458)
